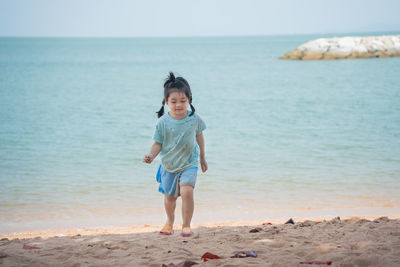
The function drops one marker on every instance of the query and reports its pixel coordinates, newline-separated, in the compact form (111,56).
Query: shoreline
(147,228)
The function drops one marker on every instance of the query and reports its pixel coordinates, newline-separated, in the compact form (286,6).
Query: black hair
(177,84)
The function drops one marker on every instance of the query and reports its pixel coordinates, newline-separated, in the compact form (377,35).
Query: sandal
(167,230)
(186,232)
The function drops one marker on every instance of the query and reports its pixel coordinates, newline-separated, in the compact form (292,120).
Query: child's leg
(170,205)
(187,204)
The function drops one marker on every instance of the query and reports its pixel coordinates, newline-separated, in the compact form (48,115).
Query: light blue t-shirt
(178,138)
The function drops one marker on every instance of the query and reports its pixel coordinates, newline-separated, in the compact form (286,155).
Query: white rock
(347,47)
(324,44)
(341,50)
(360,49)
(346,42)
(312,46)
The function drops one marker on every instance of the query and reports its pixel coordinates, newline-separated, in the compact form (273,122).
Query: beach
(337,242)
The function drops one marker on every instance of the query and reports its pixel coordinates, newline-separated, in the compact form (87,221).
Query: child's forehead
(176,94)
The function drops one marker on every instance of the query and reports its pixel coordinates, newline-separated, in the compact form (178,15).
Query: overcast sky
(131,18)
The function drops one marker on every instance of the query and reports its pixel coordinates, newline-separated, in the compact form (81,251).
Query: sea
(284,139)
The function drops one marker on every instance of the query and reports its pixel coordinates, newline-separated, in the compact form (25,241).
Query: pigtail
(161,111)
(193,110)
(167,84)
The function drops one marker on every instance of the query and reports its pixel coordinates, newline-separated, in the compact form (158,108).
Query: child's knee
(186,190)
(170,198)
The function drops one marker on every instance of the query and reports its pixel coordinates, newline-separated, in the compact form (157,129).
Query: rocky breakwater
(347,47)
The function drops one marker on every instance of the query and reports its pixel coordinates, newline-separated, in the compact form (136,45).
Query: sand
(349,242)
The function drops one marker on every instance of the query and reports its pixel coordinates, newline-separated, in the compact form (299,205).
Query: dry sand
(350,242)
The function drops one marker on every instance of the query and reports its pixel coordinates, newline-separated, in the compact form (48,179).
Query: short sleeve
(201,126)
(158,134)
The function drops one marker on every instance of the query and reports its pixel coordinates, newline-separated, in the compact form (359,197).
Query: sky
(174,18)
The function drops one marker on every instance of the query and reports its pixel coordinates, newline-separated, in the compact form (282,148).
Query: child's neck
(178,116)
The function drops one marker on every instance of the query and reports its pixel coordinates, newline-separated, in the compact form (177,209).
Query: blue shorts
(170,182)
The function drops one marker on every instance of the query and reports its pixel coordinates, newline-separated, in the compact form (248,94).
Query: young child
(179,138)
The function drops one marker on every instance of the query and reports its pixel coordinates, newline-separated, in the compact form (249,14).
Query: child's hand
(148,158)
(203,163)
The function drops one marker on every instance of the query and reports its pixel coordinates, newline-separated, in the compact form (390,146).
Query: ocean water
(284,138)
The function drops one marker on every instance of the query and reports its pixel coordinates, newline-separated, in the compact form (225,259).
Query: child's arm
(155,149)
(203,162)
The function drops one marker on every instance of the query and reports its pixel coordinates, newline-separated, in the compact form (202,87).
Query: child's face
(178,103)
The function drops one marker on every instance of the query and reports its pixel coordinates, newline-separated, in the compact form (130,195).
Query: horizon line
(199,36)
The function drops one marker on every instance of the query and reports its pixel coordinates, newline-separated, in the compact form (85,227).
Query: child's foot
(167,230)
(186,232)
